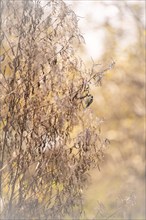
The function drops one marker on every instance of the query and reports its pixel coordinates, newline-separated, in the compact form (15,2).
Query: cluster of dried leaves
(48,141)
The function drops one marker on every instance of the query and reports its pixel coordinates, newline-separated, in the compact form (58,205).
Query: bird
(88,100)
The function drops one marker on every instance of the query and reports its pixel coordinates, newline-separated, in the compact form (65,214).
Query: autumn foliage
(49,140)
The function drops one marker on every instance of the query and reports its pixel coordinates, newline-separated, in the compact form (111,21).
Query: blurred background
(115,31)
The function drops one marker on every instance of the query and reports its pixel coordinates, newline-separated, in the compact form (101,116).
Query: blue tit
(88,101)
